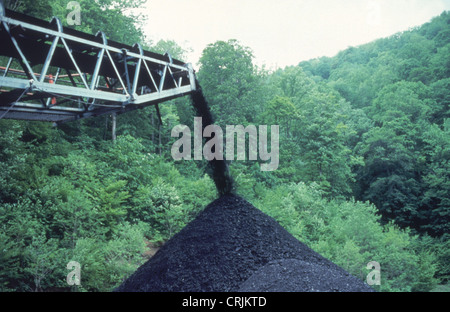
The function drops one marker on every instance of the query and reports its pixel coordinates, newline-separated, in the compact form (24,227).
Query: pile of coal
(219,170)
(232,246)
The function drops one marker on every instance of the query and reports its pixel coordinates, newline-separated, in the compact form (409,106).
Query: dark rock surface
(233,246)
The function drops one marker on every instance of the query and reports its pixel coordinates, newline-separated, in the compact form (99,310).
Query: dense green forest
(364,171)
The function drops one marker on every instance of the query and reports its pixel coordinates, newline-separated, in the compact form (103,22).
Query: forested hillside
(364,171)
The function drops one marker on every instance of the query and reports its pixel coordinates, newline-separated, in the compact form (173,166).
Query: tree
(293,83)
(434,213)
(171,47)
(110,200)
(322,140)
(281,111)
(41,9)
(388,178)
(44,257)
(167,209)
(403,99)
(440,94)
(19,225)
(13,156)
(113,17)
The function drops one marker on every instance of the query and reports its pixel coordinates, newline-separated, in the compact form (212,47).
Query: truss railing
(52,73)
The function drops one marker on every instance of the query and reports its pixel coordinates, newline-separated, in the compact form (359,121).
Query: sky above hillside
(284,32)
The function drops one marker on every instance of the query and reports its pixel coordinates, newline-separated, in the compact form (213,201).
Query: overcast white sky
(284,32)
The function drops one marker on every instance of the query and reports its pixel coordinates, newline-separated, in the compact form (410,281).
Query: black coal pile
(233,246)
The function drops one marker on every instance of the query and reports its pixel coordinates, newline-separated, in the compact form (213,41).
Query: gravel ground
(233,246)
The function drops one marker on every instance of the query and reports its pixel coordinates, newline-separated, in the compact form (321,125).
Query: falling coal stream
(219,168)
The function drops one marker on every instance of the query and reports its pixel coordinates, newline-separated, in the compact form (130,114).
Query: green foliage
(436,198)
(104,264)
(110,202)
(30,7)
(401,85)
(171,47)
(13,156)
(44,258)
(110,16)
(167,211)
(227,76)
(363,174)
(97,207)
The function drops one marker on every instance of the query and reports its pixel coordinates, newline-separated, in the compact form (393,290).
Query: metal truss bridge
(56,74)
